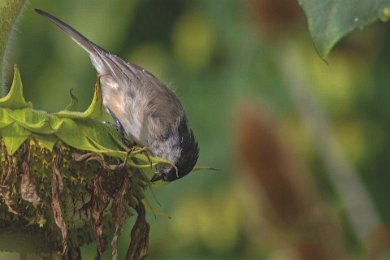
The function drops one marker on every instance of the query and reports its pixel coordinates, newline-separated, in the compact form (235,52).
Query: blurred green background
(219,56)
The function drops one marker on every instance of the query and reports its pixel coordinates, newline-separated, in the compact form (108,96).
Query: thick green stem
(9,13)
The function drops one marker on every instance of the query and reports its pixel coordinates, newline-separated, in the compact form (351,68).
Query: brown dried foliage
(56,188)
(4,186)
(139,245)
(28,188)
(119,212)
(103,191)
(100,200)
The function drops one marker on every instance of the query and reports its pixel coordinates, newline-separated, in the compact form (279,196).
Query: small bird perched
(142,106)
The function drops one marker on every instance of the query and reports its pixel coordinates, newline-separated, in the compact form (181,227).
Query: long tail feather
(96,53)
(81,40)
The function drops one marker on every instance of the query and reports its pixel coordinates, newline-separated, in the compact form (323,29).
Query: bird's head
(186,161)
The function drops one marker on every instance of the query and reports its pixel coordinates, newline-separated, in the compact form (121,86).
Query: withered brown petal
(139,245)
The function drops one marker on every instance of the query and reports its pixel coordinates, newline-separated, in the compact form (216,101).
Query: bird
(142,107)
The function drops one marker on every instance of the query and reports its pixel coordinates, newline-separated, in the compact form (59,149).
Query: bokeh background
(302,144)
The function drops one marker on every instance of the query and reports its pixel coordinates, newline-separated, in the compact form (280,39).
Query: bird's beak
(156,178)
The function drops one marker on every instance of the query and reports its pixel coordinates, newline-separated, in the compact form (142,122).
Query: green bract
(66,179)
(80,130)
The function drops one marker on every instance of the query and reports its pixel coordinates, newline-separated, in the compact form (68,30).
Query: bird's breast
(128,108)
(148,113)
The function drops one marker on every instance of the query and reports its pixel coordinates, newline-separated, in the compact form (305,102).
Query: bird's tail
(93,49)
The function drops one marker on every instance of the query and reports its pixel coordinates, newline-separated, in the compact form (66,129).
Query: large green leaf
(330,20)
(70,133)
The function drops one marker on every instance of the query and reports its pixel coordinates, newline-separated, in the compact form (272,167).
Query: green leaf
(14,136)
(15,99)
(5,118)
(33,120)
(94,110)
(69,133)
(97,132)
(330,20)
(46,141)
